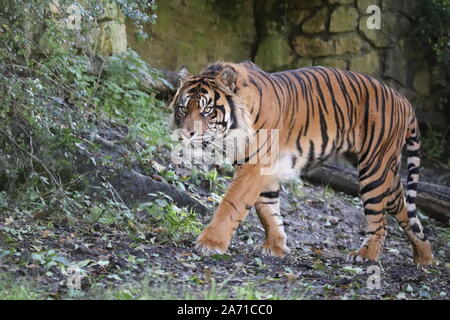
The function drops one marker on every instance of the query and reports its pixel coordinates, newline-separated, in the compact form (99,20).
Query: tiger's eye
(207,110)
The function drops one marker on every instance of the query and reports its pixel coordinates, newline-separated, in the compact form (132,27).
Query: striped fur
(320,113)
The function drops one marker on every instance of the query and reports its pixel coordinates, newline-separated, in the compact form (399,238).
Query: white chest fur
(288,166)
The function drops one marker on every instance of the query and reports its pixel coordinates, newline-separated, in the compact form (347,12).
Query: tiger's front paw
(365,253)
(274,250)
(274,245)
(211,242)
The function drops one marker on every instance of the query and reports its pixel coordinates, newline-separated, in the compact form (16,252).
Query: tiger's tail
(413,165)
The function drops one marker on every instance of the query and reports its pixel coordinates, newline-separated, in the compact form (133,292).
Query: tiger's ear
(184,73)
(226,79)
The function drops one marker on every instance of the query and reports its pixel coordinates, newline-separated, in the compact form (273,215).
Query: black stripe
(371,212)
(270,194)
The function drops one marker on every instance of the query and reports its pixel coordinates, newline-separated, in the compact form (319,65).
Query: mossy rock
(343,18)
(312,47)
(273,53)
(350,43)
(409,8)
(316,23)
(340,1)
(300,62)
(112,38)
(362,5)
(332,62)
(368,63)
(396,62)
(197,32)
(110,12)
(308,4)
(422,81)
(393,26)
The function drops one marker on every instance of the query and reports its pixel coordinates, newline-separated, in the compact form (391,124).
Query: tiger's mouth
(205,144)
(204,140)
(226,145)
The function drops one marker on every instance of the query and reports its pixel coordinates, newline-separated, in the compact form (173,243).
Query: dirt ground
(322,226)
(142,263)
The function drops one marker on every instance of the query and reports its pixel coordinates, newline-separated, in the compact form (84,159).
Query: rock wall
(105,35)
(196,32)
(281,34)
(336,33)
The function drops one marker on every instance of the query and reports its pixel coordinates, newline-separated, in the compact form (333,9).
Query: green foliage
(53,99)
(433,28)
(19,290)
(215,182)
(126,94)
(436,147)
(172,221)
(45,15)
(137,11)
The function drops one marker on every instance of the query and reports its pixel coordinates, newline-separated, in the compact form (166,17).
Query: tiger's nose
(188,133)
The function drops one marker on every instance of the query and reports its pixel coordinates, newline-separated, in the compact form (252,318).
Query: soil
(322,227)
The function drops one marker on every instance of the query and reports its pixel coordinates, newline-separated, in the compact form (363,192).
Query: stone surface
(301,62)
(340,1)
(306,4)
(316,23)
(351,43)
(343,18)
(377,37)
(368,63)
(112,38)
(297,16)
(291,34)
(396,65)
(362,5)
(197,32)
(409,8)
(110,12)
(273,53)
(422,81)
(331,62)
(312,47)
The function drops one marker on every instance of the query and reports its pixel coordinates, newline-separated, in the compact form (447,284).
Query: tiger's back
(323,112)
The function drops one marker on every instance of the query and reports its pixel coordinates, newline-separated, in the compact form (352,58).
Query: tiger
(319,112)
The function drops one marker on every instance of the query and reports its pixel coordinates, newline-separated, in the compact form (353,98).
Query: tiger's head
(208,105)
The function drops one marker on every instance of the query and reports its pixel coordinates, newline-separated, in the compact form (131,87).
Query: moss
(273,53)
(317,22)
(351,43)
(332,62)
(343,19)
(313,47)
(368,63)
(197,32)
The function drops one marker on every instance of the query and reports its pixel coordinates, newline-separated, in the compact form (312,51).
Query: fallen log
(432,199)
(135,187)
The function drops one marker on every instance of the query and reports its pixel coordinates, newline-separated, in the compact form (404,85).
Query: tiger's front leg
(268,210)
(242,194)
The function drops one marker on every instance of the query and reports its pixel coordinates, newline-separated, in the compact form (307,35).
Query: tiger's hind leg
(411,225)
(268,209)
(372,245)
(375,186)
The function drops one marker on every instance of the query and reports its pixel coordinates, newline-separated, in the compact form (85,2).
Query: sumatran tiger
(319,112)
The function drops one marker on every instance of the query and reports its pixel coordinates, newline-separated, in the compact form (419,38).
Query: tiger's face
(203,106)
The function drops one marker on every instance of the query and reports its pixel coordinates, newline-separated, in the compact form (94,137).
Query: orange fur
(320,113)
